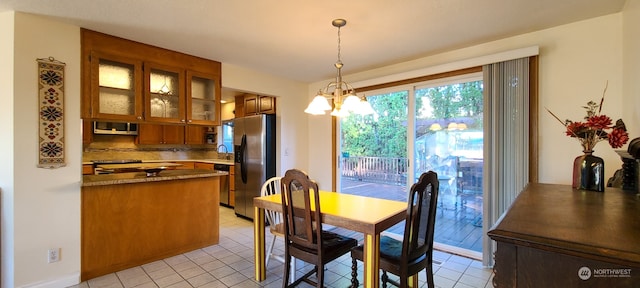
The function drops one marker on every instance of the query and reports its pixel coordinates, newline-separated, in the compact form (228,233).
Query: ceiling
(295,39)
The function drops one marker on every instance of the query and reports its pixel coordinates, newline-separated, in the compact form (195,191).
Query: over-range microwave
(115,128)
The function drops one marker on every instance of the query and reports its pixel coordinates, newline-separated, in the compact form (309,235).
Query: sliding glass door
(373,148)
(381,155)
(449,140)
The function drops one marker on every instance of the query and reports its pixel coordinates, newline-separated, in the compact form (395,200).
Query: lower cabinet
(150,227)
(226,199)
(87,169)
(232,186)
(186,165)
(205,166)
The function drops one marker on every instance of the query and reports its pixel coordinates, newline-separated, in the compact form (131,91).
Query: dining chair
(276,225)
(415,252)
(304,238)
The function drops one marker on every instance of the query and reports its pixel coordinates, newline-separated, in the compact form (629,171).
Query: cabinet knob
(139,117)
(189,120)
(182,120)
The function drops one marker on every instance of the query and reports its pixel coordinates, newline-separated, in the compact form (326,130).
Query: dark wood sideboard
(556,236)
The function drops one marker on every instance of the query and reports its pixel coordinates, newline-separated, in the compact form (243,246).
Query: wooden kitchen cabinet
(194,134)
(171,134)
(87,169)
(203,98)
(160,134)
(164,94)
(129,81)
(115,87)
(253,104)
(185,165)
(232,186)
(172,99)
(87,132)
(204,166)
(128,225)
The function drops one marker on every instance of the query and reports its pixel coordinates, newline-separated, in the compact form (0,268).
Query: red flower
(599,122)
(596,128)
(618,137)
(575,129)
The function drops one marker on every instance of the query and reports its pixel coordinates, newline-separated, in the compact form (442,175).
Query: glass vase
(588,172)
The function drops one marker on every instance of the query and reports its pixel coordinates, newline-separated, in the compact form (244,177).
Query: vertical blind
(506,134)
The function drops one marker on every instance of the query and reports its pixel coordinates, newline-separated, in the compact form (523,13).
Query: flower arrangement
(595,128)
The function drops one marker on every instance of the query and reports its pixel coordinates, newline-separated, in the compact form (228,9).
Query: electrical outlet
(53,255)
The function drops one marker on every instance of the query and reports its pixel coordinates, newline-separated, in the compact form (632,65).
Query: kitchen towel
(51,113)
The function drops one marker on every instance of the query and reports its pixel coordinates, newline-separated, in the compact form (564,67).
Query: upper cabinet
(123,80)
(165,94)
(253,104)
(116,87)
(203,98)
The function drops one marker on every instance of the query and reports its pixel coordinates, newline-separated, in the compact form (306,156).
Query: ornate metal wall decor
(51,113)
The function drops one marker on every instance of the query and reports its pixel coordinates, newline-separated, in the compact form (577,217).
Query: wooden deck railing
(375,169)
(393,170)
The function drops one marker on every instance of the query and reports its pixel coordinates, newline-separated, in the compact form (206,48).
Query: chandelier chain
(339,60)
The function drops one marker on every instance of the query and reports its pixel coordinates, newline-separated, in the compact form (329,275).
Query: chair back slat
(421,212)
(298,194)
(271,187)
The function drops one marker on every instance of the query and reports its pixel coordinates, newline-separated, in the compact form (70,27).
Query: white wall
(292,135)
(631,66)
(46,201)
(6,147)
(576,60)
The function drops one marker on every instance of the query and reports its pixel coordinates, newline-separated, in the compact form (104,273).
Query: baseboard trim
(61,282)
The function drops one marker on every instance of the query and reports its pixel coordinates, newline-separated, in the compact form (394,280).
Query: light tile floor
(230,264)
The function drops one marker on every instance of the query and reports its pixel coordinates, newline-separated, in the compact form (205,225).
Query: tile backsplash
(111,147)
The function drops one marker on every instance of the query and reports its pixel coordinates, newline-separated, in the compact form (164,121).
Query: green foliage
(457,100)
(384,134)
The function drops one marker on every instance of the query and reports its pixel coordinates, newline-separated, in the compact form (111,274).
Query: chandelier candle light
(344,96)
(588,170)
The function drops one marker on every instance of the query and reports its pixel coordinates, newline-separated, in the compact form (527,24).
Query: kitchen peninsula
(129,219)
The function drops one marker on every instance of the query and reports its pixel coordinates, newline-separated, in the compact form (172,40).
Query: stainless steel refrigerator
(255,158)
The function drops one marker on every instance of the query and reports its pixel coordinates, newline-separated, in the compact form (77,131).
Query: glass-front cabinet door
(165,95)
(116,87)
(203,98)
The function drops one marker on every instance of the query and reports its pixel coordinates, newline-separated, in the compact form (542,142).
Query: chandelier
(344,97)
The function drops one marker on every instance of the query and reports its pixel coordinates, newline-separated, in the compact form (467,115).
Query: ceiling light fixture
(344,97)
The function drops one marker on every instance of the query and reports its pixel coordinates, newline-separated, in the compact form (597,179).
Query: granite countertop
(214,161)
(139,166)
(141,177)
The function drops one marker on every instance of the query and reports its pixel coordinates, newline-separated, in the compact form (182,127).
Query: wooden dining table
(367,215)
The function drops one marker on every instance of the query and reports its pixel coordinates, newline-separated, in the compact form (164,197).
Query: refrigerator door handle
(243,164)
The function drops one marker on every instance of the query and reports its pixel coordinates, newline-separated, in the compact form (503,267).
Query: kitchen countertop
(140,166)
(214,161)
(141,177)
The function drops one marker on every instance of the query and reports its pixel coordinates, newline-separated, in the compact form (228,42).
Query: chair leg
(287,262)
(270,251)
(430,283)
(292,271)
(320,276)
(354,273)
(385,279)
